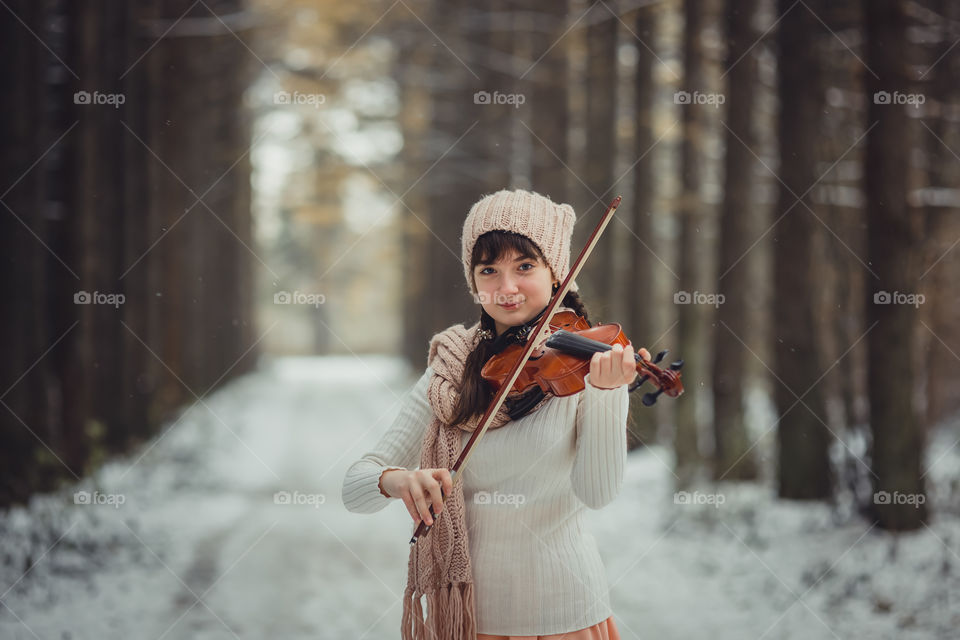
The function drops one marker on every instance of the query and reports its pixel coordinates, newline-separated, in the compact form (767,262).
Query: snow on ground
(189,537)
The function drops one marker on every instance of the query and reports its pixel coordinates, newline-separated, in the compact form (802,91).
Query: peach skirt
(605,630)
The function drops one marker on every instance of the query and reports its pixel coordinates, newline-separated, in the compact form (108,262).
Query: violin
(558,365)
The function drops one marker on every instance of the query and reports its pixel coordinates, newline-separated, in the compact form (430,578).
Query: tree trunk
(494,31)
(639,321)
(24,131)
(691,214)
(413,74)
(893,236)
(97,220)
(456,135)
(802,436)
(733,458)
(550,157)
(941,266)
(601,122)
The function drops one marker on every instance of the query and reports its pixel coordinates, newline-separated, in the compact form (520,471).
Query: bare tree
(691,215)
(462,175)
(802,435)
(597,174)
(940,377)
(643,263)
(893,235)
(416,83)
(550,155)
(732,455)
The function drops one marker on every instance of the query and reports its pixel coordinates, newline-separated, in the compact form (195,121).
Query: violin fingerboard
(575,345)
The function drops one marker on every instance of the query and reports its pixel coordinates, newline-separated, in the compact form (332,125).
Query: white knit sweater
(526,488)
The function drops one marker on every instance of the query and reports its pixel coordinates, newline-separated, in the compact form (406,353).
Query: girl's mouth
(510,307)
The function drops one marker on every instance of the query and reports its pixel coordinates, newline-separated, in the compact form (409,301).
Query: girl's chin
(513,317)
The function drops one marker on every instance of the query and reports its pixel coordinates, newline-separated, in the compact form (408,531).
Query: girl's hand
(616,367)
(418,489)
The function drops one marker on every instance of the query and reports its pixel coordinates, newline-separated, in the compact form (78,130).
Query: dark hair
(475,392)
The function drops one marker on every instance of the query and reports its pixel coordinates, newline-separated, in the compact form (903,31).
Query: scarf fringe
(450,614)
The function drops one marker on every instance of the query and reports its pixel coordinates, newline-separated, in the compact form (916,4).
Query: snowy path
(201,549)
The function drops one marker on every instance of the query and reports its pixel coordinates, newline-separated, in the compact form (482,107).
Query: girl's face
(514,289)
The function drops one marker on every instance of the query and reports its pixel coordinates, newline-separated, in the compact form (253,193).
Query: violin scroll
(673,386)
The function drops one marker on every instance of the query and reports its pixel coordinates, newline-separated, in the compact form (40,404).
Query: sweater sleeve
(597,474)
(398,448)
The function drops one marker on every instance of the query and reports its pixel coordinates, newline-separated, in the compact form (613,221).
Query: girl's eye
(529,265)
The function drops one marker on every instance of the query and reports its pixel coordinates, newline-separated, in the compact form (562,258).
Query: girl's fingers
(420,500)
(629,365)
(436,498)
(412,508)
(614,361)
(445,486)
(603,366)
(447,482)
(616,364)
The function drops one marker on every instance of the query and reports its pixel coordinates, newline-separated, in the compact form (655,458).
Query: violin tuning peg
(676,366)
(660,356)
(638,383)
(650,399)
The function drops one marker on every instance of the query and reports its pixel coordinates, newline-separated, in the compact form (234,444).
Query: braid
(572,300)
(475,395)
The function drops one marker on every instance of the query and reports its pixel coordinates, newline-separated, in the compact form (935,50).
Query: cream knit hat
(547,224)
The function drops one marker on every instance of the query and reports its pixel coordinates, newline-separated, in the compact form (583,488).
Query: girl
(510,558)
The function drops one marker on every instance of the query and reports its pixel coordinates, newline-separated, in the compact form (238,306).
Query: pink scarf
(439,565)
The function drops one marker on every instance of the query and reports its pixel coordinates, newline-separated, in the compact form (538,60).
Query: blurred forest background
(187,186)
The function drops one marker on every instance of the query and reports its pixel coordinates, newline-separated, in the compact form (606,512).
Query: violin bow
(532,340)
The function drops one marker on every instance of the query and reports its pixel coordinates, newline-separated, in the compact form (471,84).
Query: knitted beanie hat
(547,224)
